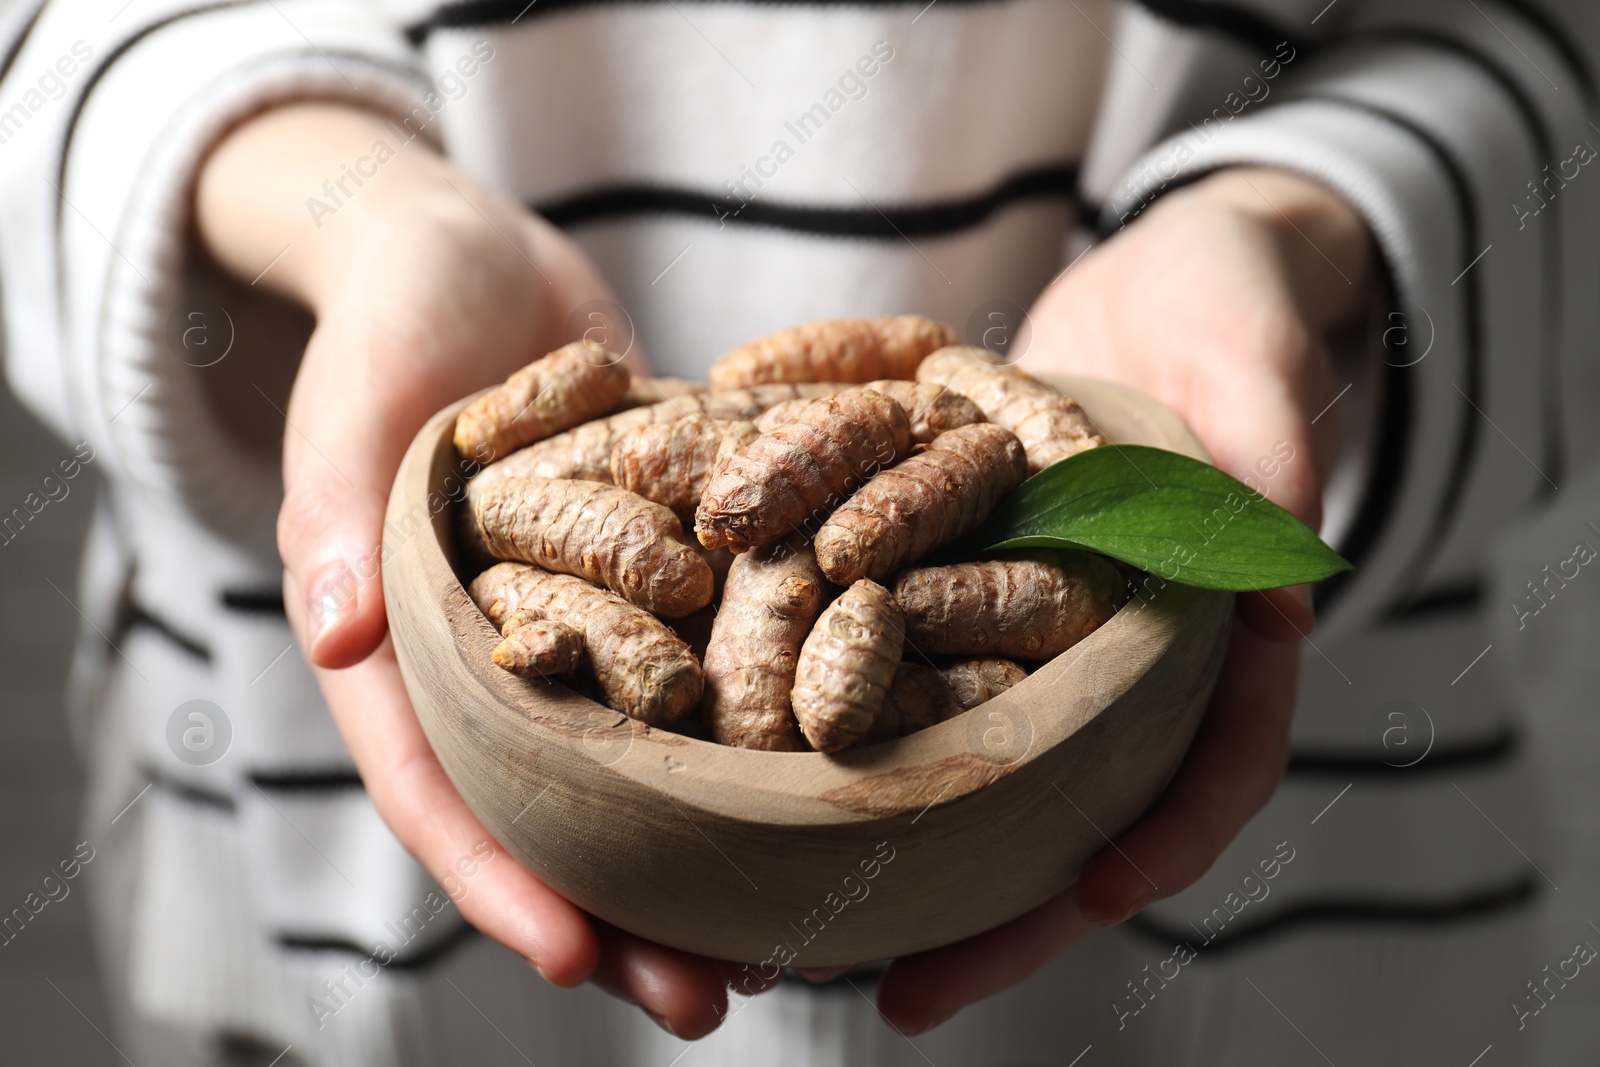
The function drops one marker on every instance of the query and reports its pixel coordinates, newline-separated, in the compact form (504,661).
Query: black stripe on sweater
(1467,222)
(1396,409)
(24,31)
(422,958)
(1553,441)
(307,780)
(1466,597)
(137,617)
(1445,601)
(1497,748)
(1559,37)
(81,101)
(886,222)
(507,12)
(253,601)
(1234,21)
(188,792)
(1422,913)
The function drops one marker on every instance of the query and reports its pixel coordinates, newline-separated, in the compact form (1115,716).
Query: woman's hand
(426,287)
(1219,301)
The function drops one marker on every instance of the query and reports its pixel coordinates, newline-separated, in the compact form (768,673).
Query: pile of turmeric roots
(820,468)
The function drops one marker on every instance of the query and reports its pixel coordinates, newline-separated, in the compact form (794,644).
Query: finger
(347,428)
(684,994)
(820,975)
(1278,614)
(919,992)
(746,979)
(1230,772)
(410,791)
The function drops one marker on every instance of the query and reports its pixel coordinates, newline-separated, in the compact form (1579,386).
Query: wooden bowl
(774,858)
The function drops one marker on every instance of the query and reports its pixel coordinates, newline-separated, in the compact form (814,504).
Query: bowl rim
(886,780)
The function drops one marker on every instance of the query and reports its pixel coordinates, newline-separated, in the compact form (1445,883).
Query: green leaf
(1176,517)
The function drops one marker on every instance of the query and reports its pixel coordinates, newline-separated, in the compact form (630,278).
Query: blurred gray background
(50,998)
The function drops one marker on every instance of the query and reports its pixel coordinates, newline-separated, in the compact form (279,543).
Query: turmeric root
(670,462)
(536,648)
(932,409)
(846,665)
(801,470)
(584,453)
(563,389)
(643,391)
(920,696)
(1050,426)
(978,681)
(1033,606)
(641,668)
(772,598)
(837,350)
(928,500)
(779,414)
(608,535)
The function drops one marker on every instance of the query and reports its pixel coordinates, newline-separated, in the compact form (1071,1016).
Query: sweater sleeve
(112,315)
(1462,133)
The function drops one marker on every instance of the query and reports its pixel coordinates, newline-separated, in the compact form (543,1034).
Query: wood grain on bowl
(796,857)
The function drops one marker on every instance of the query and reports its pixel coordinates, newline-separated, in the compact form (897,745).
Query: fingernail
(661,1021)
(1104,919)
(332,597)
(537,969)
(930,1023)
(819,975)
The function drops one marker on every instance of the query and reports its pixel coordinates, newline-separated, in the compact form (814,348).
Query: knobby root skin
(930,499)
(779,414)
(978,681)
(918,698)
(535,647)
(773,597)
(643,391)
(846,665)
(793,477)
(1050,426)
(563,389)
(640,666)
(837,350)
(584,453)
(1032,607)
(608,535)
(932,409)
(670,462)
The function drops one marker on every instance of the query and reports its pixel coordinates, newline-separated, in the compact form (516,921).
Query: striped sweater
(734,166)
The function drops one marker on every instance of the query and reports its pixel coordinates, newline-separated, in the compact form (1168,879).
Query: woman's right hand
(426,287)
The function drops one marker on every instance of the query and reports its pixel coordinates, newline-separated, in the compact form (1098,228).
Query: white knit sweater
(734,166)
